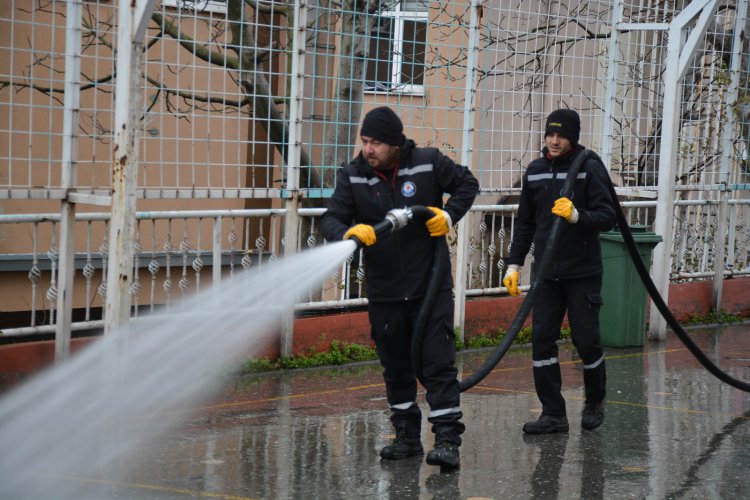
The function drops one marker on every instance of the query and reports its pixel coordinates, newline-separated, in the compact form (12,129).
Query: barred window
(396,58)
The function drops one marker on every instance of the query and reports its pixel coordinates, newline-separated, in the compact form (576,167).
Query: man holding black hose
(392,172)
(574,280)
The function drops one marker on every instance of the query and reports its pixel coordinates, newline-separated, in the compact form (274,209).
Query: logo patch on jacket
(409,189)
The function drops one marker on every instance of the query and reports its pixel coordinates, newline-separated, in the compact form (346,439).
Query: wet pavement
(672,430)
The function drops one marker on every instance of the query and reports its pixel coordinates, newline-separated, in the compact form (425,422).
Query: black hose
(383,227)
(438,264)
(635,255)
(662,306)
(387,226)
(528,302)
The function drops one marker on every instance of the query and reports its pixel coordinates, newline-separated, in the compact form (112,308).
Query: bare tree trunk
(255,85)
(356,23)
(743,106)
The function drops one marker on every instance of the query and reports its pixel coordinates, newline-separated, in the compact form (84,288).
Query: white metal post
(667,164)
(216,253)
(72,104)
(677,62)
(730,131)
(294,148)
(609,99)
(462,239)
(132,21)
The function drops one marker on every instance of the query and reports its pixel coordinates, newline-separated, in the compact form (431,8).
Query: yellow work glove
(564,208)
(511,280)
(439,225)
(363,232)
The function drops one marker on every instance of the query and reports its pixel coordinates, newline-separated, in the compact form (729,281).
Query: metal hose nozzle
(399,217)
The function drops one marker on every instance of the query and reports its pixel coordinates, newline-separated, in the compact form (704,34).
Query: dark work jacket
(398,265)
(577,252)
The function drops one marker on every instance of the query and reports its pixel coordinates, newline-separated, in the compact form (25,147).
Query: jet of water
(86,418)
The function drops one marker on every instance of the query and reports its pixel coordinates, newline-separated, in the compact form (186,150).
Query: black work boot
(592,416)
(445,455)
(402,447)
(546,424)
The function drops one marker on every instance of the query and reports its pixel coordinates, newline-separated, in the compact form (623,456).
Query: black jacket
(578,252)
(398,265)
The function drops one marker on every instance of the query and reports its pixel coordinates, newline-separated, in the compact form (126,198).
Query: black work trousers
(392,330)
(582,299)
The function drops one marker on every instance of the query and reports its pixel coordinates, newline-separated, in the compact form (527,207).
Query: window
(216,6)
(396,58)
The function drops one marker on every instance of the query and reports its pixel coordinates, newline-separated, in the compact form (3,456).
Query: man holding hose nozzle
(392,172)
(574,280)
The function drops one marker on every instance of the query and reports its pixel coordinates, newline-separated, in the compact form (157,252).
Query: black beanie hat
(383,125)
(565,122)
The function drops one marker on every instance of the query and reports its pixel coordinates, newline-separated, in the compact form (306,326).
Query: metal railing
(179,252)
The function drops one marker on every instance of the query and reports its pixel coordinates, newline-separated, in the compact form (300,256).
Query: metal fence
(222,122)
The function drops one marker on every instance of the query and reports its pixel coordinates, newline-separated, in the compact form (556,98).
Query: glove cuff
(512,268)
(574,216)
(448,219)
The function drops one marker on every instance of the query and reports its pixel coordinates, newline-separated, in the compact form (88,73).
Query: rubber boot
(407,424)
(402,447)
(447,440)
(592,416)
(547,424)
(445,455)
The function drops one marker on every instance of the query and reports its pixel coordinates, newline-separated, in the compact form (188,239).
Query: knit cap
(383,125)
(565,122)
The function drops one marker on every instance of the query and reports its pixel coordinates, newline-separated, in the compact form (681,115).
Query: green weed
(338,354)
(713,316)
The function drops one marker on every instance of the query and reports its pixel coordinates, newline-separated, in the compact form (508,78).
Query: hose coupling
(399,217)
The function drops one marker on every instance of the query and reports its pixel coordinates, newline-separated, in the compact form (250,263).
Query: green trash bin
(623,316)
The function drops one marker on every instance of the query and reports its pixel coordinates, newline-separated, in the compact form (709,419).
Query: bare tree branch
(197,49)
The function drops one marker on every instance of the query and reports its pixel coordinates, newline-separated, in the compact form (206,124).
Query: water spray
(77,430)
